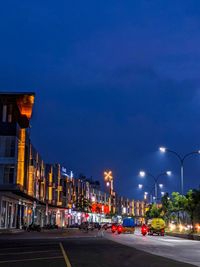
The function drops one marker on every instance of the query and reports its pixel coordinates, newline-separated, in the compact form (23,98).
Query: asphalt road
(179,249)
(77,250)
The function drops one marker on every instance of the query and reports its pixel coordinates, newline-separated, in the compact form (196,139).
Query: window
(9,174)
(3,214)
(7,146)
(4,114)
(10,147)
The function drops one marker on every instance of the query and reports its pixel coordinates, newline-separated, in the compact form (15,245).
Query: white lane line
(68,264)
(25,247)
(28,252)
(33,259)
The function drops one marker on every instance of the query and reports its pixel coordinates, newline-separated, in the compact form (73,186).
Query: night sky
(114,80)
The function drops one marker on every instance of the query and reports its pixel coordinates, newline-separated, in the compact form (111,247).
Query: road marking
(28,252)
(33,259)
(31,246)
(68,264)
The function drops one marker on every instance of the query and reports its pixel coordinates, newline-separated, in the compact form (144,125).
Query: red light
(114,227)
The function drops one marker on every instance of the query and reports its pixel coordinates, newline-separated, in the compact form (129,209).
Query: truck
(156,226)
(128,226)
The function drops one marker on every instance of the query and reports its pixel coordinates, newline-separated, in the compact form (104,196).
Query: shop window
(3,214)
(14,219)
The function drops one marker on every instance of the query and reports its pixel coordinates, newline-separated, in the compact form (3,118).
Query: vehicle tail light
(119,228)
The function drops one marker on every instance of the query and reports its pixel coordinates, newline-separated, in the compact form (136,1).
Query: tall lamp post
(108,177)
(181,159)
(155,178)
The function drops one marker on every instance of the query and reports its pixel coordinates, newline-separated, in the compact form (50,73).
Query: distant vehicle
(114,227)
(34,227)
(128,226)
(107,226)
(75,225)
(156,226)
(144,229)
(86,226)
(50,226)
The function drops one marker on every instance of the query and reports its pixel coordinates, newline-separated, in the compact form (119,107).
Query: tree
(192,206)
(166,207)
(153,212)
(178,204)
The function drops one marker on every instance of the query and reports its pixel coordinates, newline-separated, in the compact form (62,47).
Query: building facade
(32,191)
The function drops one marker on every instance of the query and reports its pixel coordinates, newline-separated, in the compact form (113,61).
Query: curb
(185,236)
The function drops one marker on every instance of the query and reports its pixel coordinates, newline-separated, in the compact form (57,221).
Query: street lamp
(150,189)
(161,186)
(140,186)
(108,177)
(181,159)
(107,184)
(155,178)
(142,174)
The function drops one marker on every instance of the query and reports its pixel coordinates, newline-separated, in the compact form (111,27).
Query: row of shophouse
(32,191)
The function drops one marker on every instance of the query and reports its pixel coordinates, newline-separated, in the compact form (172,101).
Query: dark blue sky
(113,80)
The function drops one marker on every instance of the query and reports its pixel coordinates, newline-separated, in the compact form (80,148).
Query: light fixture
(162,149)
(142,173)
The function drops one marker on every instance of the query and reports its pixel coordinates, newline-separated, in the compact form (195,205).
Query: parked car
(107,226)
(50,226)
(34,227)
(75,225)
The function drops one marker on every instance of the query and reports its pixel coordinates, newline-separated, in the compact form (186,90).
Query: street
(171,247)
(76,249)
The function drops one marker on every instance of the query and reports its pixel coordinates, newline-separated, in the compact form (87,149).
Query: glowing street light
(140,186)
(162,193)
(161,185)
(107,184)
(162,149)
(181,160)
(169,173)
(108,177)
(142,174)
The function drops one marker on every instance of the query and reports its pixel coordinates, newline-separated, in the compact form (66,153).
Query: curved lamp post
(155,178)
(147,193)
(181,159)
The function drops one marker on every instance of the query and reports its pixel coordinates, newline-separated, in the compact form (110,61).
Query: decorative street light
(155,178)
(181,159)
(108,177)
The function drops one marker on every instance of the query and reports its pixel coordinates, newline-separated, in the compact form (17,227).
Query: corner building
(15,113)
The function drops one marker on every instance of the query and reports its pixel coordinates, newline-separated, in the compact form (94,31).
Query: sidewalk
(185,236)
(11,231)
